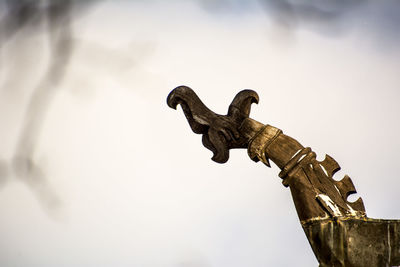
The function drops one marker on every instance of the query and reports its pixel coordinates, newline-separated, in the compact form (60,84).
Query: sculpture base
(352,241)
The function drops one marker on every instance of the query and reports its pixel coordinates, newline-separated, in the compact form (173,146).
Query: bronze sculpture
(339,231)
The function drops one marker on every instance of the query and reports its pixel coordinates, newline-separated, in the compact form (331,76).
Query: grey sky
(122,179)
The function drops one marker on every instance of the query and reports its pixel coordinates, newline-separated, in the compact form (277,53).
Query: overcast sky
(97,170)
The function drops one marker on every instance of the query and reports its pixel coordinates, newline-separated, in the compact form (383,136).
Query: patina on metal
(339,231)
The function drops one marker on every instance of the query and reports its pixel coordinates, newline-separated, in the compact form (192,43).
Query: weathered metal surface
(354,241)
(338,230)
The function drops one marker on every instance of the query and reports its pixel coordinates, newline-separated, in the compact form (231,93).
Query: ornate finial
(339,231)
(220,132)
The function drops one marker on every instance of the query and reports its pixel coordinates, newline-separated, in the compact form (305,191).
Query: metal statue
(339,231)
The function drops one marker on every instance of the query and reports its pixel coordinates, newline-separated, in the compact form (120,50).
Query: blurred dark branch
(57,15)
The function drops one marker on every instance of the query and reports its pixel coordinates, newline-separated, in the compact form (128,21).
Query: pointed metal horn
(240,107)
(192,106)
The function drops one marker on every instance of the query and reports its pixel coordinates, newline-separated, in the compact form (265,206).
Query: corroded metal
(339,231)
(354,241)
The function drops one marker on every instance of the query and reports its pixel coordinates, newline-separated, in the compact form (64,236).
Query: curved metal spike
(240,107)
(192,106)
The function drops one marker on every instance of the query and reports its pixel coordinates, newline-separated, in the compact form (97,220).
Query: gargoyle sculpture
(339,231)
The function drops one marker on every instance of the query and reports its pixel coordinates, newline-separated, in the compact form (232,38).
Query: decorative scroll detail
(220,132)
(332,195)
